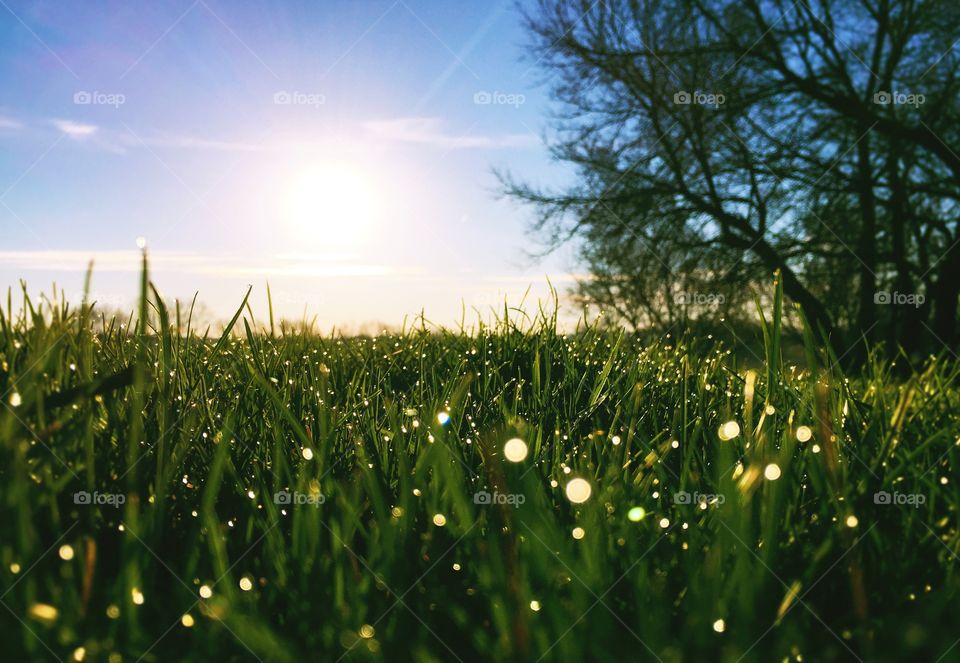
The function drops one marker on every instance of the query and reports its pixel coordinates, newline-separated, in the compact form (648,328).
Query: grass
(378,549)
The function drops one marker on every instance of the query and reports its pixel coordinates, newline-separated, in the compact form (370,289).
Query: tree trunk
(946,294)
(905,329)
(813,308)
(866,244)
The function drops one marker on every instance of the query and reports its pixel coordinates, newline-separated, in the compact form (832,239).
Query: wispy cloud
(279,265)
(75,130)
(526,279)
(9,123)
(190,143)
(430,131)
(190,263)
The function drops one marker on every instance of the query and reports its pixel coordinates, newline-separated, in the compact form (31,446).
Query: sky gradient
(342,151)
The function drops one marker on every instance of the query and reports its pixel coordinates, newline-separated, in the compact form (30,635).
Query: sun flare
(333,203)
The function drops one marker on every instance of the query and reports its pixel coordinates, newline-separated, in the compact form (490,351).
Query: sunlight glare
(333,203)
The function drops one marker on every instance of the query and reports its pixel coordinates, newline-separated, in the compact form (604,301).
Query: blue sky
(236,138)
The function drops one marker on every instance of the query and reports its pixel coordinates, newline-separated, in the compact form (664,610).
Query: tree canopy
(718,141)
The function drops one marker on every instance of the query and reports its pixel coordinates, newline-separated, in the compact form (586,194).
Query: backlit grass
(174,495)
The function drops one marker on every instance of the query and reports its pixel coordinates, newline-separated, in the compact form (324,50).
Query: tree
(719,140)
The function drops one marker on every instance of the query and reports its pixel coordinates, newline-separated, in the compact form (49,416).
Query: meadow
(510,492)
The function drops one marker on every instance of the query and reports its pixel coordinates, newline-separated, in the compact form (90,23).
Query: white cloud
(429,131)
(189,263)
(75,129)
(189,142)
(555,278)
(419,130)
(72,261)
(9,123)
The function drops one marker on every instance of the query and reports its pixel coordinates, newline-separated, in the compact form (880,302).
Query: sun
(334,204)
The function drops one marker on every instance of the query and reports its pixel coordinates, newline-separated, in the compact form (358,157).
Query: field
(175,494)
